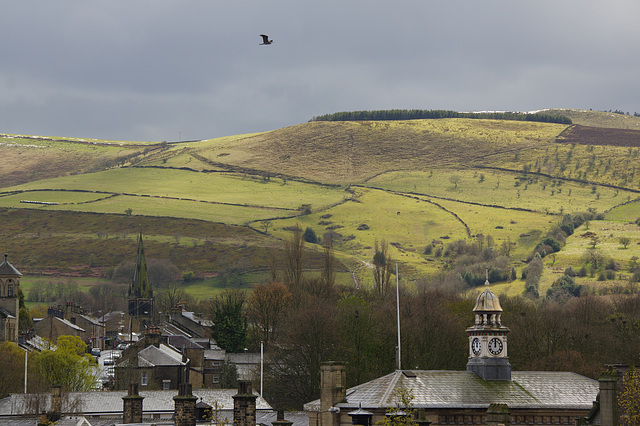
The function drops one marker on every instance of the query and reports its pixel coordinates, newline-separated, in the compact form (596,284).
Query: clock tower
(488,339)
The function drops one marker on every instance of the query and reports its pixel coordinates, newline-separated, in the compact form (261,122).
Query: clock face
(475,346)
(495,346)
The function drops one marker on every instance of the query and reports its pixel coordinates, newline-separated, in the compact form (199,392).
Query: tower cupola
(488,339)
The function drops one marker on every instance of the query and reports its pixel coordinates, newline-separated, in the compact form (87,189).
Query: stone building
(9,301)
(488,392)
(151,364)
(55,325)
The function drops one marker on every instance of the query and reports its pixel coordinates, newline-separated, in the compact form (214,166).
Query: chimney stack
(244,405)
(185,404)
(332,391)
(610,382)
(56,399)
(132,405)
(280,421)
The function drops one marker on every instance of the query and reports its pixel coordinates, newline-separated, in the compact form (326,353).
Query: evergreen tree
(229,322)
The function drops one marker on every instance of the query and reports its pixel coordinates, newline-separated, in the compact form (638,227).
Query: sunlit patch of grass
(608,236)
(629,212)
(406,223)
(504,189)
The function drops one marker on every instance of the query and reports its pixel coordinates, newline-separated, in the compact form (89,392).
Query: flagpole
(398,311)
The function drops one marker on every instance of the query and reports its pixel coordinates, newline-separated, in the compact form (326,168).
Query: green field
(505,189)
(410,183)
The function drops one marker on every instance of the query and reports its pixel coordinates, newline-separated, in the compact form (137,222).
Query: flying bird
(265,40)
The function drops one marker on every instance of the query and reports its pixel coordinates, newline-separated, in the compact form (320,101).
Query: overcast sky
(193,69)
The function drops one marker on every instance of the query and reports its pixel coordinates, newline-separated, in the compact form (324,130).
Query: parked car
(109,361)
(95,352)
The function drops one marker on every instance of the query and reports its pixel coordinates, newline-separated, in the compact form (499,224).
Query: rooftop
(462,389)
(110,403)
(7,269)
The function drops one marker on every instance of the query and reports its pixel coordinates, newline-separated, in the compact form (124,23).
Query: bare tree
(328,273)
(294,255)
(170,297)
(382,265)
(266,307)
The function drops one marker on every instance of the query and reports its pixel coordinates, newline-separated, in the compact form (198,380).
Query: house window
(10,290)
(144,379)
(217,363)
(216,379)
(166,384)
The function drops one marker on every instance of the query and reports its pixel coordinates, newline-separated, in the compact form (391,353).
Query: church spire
(141,287)
(141,301)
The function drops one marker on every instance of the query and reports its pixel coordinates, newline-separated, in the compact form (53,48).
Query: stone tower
(140,297)
(9,300)
(488,339)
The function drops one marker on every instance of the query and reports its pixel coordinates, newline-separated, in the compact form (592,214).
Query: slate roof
(5,314)
(69,324)
(153,356)
(91,320)
(215,354)
(7,269)
(462,389)
(106,317)
(180,342)
(197,319)
(110,403)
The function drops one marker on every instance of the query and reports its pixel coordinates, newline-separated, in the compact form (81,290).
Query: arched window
(10,290)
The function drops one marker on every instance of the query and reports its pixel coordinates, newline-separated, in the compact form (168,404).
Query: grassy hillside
(227,203)
(590,118)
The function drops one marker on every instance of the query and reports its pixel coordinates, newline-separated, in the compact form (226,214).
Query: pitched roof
(91,320)
(69,324)
(462,389)
(5,314)
(7,269)
(180,342)
(155,356)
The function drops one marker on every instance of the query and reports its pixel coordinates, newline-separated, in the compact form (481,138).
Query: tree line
(417,114)
(304,320)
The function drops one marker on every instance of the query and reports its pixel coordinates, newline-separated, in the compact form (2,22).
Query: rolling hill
(226,204)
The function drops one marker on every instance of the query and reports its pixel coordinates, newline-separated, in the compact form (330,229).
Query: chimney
(280,421)
(56,400)
(185,404)
(244,405)
(498,414)
(610,381)
(153,337)
(132,405)
(332,391)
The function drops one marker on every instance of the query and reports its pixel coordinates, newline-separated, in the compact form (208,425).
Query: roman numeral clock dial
(475,346)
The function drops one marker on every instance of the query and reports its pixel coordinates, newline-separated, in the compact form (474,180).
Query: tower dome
(487,309)
(488,339)
(487,301)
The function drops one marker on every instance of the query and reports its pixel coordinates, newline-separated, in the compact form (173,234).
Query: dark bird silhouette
(265,40)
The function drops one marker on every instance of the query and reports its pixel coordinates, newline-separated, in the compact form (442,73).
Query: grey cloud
(155,69)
